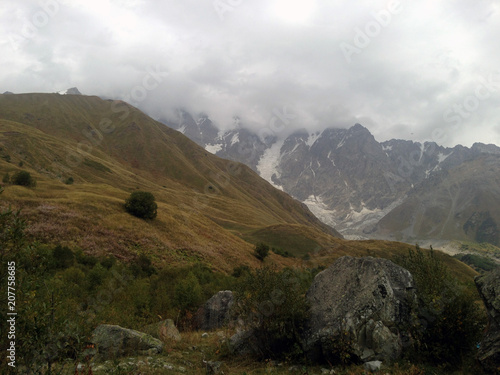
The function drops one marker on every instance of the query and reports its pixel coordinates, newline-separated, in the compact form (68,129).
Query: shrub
(11,232)
(69,181)
(108,262)
(72,275)
(281,252)
(23,178)
(142,266)
(6,178)
(450,320)
(187,295)
(63,257)
(261,251)
(96,277)
(141,204)
(273,306)
(86,260)
(240,271)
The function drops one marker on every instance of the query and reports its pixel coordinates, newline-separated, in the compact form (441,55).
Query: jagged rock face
(216,312)
(73,91)
(365,189)
(361,306)
(489,353)
(114,341)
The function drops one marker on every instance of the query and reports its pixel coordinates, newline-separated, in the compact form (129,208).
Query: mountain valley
(397,189)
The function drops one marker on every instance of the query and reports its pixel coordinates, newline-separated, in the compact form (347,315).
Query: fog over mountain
(397,189)
(425,71)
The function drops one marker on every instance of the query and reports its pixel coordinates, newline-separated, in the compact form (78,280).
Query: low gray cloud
(422,70)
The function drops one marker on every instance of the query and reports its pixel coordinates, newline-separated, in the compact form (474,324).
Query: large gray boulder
(165,331)
(489,352)
(361,309)
(216,312)
(114,341)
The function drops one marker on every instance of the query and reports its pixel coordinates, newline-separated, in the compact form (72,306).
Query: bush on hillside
(142,204)
(188,294)
(63,257)
(11,232)
(272,305)
(23,178)
(450,320)
(261,251)
(142,266)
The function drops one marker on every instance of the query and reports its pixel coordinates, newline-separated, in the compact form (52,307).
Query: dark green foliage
(168,298)
(6,158)
(69,181)
(188,294)
(6,178)
(450,320)
(272,304)
(63,257)
(142,204)
(96,277)
(142,266)
(21,163)
(43,335)
(23,178)
(240,271)
(479,263)
(281,252)
(11,232)
(86,260)
(108,262)
(261,251)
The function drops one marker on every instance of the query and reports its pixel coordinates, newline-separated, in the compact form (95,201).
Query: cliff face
(366,189)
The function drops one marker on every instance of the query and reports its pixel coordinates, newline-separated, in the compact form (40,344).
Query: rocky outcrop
(350,181)
(360,308)
(165,331)
(216,312)
(245,343)
(489,352)
(114,341)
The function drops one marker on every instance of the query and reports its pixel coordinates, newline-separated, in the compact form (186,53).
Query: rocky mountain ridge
(359,185)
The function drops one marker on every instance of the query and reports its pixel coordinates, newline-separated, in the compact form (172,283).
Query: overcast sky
(420,70)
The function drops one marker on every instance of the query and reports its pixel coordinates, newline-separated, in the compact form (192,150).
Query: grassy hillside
(87,155)
(210,210)
(110,149)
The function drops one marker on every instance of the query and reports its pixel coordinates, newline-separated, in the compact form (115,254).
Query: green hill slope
(207,205)
(209,209)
